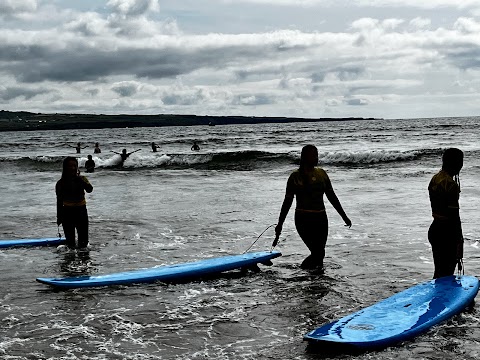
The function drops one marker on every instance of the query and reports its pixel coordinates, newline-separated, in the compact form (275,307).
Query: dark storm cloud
(76,63)
(10,93)
(16,7)
(465,58)
(125,90)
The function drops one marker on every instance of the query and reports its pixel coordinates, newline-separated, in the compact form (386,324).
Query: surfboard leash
(268,227)
(460,267)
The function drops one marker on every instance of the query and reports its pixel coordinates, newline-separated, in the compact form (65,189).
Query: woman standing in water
(71,204)
(308,184)
(445,233)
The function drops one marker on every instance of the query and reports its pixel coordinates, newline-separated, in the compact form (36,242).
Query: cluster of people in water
(90,163)
(308,184)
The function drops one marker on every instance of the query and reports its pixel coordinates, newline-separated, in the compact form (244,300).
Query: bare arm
(332,197)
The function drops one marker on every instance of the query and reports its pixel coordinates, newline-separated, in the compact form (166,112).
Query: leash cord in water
(268,227)
(461,268)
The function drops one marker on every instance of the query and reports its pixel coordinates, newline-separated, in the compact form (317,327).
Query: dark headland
(28,121)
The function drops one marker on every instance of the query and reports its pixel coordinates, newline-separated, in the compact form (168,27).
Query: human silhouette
(308,184)
(78,147)
(445,233)
(90,164)
(71,203)
(155,147)
(124,155)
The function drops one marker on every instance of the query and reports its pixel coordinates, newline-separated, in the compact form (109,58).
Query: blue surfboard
(169,273)
(32,242)
(401,316)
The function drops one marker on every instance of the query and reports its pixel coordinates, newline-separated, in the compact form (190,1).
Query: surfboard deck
(32,242)
(168,273)
(401,316)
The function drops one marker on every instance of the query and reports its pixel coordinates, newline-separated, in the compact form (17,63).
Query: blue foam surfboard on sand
(169,273)
(401,316)
(32,242)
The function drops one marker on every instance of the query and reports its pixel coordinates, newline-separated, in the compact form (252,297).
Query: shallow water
(177,206)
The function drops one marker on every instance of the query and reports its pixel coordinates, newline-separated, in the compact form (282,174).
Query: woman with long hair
(308,184)
(445,233)
(71,203)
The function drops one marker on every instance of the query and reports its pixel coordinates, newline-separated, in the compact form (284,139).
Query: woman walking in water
(71,204)
(308,184)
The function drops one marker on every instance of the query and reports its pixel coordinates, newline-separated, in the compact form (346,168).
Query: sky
(292,58)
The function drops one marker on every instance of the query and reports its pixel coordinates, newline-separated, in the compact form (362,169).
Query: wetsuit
(72,209)
(445,232)
(311,219)
(90,165)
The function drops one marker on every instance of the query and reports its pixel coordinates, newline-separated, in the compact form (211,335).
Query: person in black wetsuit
(124,155)
(308,184)
(155,147)
(71,203)
(90,164)
(445,233)
(78,147)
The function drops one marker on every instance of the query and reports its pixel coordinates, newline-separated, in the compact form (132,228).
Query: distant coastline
(28,121)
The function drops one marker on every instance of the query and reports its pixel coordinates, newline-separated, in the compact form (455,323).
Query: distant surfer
(78,147)
(124,155)
(195,146)
(155,147)
(308,184)
(71,203)
(90,164)
(96,149)
(445,233)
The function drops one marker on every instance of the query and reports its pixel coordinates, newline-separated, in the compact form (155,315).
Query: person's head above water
(452,161)
(309,157)
(89,157)
(70,167)
(124,151)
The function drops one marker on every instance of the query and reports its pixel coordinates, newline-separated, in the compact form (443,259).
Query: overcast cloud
(310,58)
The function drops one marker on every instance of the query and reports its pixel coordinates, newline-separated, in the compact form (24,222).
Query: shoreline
(28,121)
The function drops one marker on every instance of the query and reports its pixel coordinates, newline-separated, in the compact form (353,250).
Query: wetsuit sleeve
(291,187)
(58,192)
(326,181)
(86,184)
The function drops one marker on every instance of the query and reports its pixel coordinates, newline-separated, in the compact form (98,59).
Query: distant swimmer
(90,164)
(124,155)
(97,150)
(155,147)
(78,147)
(195,146)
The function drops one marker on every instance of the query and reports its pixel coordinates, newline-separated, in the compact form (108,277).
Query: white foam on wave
(366,157)
(135,160)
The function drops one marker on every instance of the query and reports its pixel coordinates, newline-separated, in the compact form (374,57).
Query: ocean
(178,205)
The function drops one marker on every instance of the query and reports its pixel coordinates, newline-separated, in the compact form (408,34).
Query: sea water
(178,205)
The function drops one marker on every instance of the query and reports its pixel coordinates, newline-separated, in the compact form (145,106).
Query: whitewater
(178,205)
